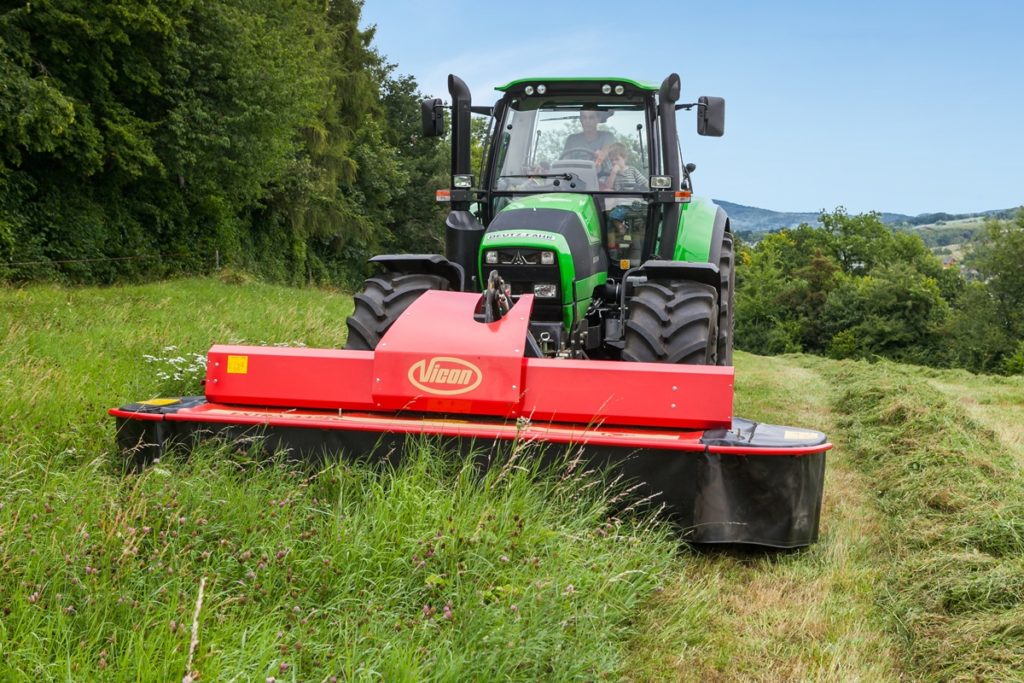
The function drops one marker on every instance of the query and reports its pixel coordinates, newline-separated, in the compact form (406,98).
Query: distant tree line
(855,288)
(147,138)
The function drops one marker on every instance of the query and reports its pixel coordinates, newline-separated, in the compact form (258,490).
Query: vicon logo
(445,376)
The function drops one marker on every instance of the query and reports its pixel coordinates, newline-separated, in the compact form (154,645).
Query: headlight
(529,90)
(547,257)
(491,257)
(541,89)
(545,291)
(619,90)
(462,181)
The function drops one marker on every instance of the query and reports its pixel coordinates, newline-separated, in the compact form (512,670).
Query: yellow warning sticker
(238,365)
(624,264)
(159,402)
(798,436)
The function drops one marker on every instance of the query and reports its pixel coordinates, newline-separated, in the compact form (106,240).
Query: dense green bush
(143,139)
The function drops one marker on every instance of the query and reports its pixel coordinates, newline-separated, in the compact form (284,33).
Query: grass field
(428,573)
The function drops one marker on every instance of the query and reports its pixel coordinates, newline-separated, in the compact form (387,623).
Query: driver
(591,139)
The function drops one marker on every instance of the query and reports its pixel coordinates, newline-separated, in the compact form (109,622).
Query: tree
(975,335)
(999,258)
(763,325)
(141,131)
(417,217)
(895,312)
(142,138)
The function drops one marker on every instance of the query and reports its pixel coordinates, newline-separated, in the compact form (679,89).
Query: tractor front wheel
(382,301)
(674,321)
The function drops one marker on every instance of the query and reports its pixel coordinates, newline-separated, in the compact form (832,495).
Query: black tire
(382,301)
(727,301)
(674,321)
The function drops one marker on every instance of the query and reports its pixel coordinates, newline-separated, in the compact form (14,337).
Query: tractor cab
(584,144)
(611,139)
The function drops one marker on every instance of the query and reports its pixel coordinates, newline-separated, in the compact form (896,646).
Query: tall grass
(68,354)
(427,572)
(430,571)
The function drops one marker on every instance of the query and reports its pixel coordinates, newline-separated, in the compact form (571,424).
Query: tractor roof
(639,85)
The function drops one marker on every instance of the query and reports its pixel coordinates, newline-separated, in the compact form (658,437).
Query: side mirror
(711,116)
(432,113)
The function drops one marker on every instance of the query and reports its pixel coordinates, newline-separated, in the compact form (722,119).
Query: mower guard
(439,373)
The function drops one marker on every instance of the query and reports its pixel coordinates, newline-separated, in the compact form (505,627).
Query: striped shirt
(628,179)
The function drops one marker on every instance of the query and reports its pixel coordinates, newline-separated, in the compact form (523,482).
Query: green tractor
(583,201)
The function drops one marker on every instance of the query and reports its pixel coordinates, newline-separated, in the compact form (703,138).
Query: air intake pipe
(461,109)
(668,95)
(463,232)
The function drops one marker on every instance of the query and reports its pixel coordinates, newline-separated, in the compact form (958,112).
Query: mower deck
(723,479)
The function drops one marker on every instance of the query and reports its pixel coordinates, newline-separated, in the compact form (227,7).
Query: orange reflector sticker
(624,264)
(444,195)
(238,365)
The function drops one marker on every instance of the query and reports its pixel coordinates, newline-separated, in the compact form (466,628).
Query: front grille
(518,257)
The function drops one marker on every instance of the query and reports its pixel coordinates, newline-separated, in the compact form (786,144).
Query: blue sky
(890,106)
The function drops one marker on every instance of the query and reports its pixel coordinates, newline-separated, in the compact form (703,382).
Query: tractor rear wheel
(727,301)
(382,301)
(674,321)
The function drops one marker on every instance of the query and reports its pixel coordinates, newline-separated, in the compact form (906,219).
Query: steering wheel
(580,153)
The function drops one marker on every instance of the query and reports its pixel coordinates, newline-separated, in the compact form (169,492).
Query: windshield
(590,147)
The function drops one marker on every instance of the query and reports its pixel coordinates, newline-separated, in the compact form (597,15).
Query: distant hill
(751,221)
